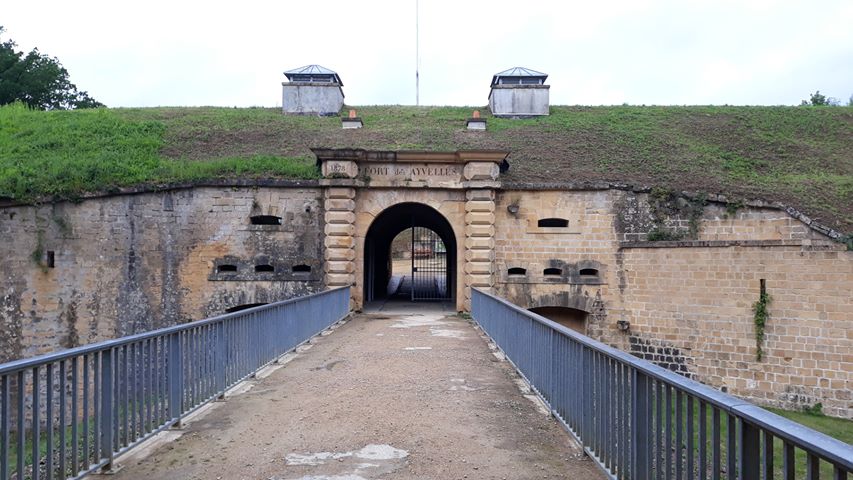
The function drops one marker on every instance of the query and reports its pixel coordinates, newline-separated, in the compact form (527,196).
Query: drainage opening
(264,268)
(265,220)
(553,222)
(226,268)
(301,269)
(243,307)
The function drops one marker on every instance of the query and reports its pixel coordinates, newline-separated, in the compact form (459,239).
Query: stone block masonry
(695,306)
(131,263)
(479,241)
(340,236)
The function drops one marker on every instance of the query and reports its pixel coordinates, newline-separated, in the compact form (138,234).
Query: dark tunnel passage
(425,259)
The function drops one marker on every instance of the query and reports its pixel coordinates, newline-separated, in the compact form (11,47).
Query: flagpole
(417,55)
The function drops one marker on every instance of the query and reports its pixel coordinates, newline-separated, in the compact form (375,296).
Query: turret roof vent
(313,73)
(519,76)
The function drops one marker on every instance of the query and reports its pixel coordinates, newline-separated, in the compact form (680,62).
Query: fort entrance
(446,200)
(410,254)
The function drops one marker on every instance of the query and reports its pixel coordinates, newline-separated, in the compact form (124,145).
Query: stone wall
(687,303)
(691,309)
(131,263)
(586,242)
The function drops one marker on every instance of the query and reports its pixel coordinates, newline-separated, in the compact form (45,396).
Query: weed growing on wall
(759,310)
(667,205)
(38,253)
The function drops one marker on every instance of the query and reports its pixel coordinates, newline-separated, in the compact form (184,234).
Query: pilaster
(340,236)
(479,241)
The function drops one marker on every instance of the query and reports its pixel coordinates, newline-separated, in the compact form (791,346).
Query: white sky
(595,52)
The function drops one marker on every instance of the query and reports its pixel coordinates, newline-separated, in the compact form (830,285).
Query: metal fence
(69,413)
(640,421)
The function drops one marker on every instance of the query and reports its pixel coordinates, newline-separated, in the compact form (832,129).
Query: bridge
(305,389)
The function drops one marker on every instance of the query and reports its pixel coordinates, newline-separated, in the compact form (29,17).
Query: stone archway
(574,308)
(360,185)
(378,241)
(568,317)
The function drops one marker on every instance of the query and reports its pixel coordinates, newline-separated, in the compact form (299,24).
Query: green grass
(801,156)
(63,154)
(838,428)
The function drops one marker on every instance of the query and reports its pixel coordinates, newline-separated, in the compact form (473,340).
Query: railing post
(639,426)
(749,454)
(176,380)
(106,422)
(221,357)
(552,354)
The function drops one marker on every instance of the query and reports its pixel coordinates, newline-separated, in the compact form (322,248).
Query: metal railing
(640,421)
(69,413)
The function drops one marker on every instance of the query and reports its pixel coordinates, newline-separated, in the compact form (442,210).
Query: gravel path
(385,396)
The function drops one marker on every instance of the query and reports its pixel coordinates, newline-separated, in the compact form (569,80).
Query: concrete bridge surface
(405,393)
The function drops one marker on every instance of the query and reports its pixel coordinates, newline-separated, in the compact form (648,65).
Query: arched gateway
(447,198)
(409,253)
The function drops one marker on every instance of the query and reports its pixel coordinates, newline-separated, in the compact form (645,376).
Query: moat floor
(387,395)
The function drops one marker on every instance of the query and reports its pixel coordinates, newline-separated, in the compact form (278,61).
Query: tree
(818,100)
(38,80)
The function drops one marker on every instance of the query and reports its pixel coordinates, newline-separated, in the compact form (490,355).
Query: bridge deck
(387,395)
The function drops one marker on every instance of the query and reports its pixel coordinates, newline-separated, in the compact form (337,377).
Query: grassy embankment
(801,156)
(64,154)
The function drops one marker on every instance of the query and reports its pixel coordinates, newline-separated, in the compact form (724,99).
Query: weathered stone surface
(339,192)
(337,229)
(480,218)
(339,279)
(480,230)
(339,169)
(339,204)
(476,280)
(481,171)
(480,243)
(340,254)
(339,242)
(479,255)
(339,267)
(480,194)
(129,263)
(480,206)
(340,217)
(483,268)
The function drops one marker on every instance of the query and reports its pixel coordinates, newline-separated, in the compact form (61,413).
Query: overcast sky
(595,52)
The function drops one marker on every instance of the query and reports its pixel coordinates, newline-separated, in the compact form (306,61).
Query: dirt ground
(385,396)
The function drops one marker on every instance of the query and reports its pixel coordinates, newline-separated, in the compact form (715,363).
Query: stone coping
(733,243)
(409,156)
(507,186)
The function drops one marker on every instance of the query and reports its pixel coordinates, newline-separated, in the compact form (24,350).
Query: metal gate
(429,266)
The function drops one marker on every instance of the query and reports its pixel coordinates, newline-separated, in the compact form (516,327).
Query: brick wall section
(699,301)
(689,306)
(131,263)
(587,242)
